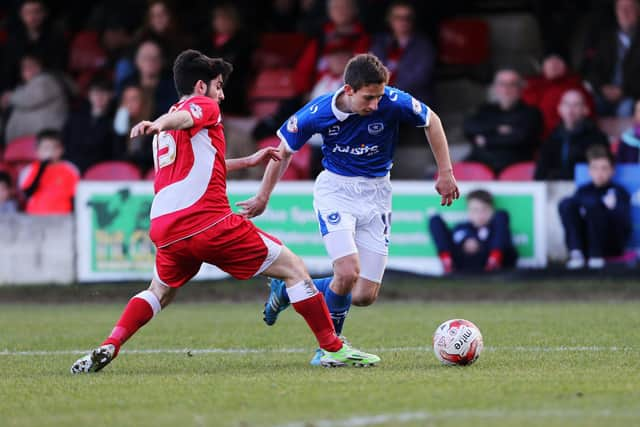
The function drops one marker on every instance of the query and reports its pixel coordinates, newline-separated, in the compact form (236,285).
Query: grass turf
(551,364)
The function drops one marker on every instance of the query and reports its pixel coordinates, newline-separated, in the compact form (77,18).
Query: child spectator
(49,183)
(545,91)
(39,103)
(629,147)
(88,134)
(134,108)
(481,243)
(597,218)
(506,130)
(568,143)
(7,204)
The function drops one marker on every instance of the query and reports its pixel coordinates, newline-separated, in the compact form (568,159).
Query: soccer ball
(457,342)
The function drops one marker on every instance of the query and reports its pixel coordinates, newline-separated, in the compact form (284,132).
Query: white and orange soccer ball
(457,342)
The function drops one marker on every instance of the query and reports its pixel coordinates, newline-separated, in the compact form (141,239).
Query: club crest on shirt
(313,109)
(375,128)
(334,130)
(196,110)
(333,218)
(417,106)
(393,95)
(292,124)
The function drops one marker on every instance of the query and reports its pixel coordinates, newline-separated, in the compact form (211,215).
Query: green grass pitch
(544,364)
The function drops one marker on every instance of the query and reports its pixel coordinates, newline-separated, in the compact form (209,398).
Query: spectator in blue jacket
(482,243)
(597,218)
(629,148)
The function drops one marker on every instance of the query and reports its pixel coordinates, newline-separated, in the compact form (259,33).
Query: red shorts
(235,245)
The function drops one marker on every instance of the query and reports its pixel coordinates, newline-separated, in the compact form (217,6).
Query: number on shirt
(160,142)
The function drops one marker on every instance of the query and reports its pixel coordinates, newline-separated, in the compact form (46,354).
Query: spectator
(152,78)
(616,63)
(283,16)
(34,32)
(134,108)
(39,103)
(409,56)
(49,183)
(343,25)
(481,243)
(161,24)
(506,130)
(88,134)
(597,218)
(568,143)
(544,91)
(7,204)
(229,40)
(629,147)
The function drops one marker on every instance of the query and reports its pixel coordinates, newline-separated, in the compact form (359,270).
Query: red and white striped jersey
(190,184)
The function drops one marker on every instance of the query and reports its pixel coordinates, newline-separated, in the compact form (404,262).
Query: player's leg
(173,269)
(367,287)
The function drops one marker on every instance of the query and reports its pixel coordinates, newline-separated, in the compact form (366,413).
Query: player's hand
(263,156)
(447,187)
(252,207)
(145,127)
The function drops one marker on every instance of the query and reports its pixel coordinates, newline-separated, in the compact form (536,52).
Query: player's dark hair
(192,65)
(5,178)
(365,69)
(482,196)
(595,152)
(49,134)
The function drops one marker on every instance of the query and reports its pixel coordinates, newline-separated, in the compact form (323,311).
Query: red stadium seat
(269,88)
(300,166)
(20,151)
(113,171)
(86,53)
(150,175)
(522,171)
(472,171)
(463,41)
(279,49)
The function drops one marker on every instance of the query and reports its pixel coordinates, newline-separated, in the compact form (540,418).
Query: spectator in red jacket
(49,183)
(343,25)
(545,90)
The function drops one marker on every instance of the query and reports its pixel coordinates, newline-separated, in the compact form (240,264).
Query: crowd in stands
(74,80)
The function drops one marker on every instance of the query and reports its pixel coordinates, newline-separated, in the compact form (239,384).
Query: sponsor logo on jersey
(292,124)
(333,218)
(375,128)
(417,106)
(196,110)
(393,95)
(334,130)
(362,150)
(313,109)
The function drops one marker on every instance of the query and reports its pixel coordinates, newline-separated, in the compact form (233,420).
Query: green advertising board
(113,222)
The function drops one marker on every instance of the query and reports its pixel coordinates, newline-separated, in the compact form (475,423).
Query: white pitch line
(406,417)
(532,349)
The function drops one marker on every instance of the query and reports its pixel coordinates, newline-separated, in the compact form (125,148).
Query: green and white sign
(113,222)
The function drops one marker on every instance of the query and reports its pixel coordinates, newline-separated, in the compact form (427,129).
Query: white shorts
(354,215)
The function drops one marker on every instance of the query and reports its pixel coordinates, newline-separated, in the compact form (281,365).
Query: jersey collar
(340,115)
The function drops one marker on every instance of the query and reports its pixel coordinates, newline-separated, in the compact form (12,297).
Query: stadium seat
(472,171)
(20,151)
(522,171)
(113,171)
(269,87)
(150,175)
(300,165)
(85,52)
(279,49)
(463,41)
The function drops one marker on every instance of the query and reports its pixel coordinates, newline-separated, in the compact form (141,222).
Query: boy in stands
(192,222)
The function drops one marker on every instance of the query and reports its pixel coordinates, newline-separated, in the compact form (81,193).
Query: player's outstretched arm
(170,121)
(275,169)
(257,158)
(446,184)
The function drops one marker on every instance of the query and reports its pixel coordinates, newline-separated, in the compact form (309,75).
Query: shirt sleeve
(409,109)
(204,111)
(297,130)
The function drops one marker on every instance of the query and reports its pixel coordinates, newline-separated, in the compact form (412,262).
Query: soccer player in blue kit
(352,196)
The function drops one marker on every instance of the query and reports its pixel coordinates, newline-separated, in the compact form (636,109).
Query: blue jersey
(355,145)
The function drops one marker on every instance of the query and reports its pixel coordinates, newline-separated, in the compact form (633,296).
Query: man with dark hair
(192,222)
(352,196)
(482,243)
(597,218)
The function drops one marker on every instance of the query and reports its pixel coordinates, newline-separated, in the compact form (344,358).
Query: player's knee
(363,299)
(164,293)
(347,277)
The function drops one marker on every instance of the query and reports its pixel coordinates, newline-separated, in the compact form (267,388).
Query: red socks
(311,305)
(140,309)
(447,262)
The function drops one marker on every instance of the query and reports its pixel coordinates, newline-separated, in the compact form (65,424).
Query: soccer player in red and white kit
(192,222)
